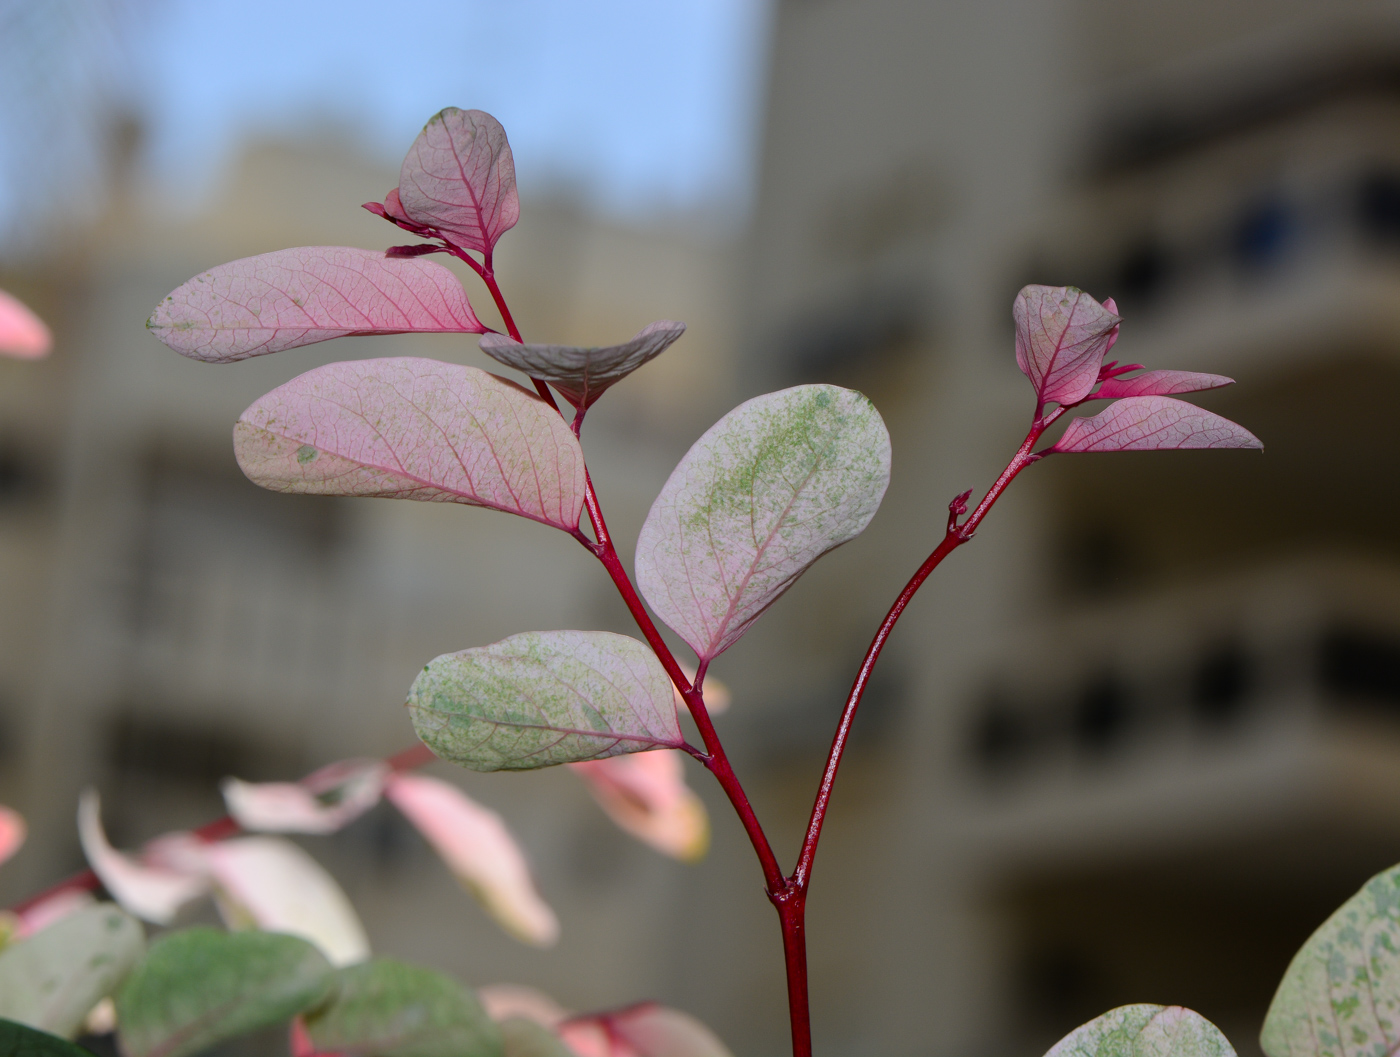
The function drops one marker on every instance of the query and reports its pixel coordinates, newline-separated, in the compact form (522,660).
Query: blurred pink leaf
(1160,383)
(459,179)
(643,1030)
(320,803)
(583,374)
(764,493)
(1153,423)
(502,1001)
(22,333)
(480,851)
(412,428)
(716,694)
(12,832)
(646,795)
(155,893)
(300,296)
(1062,335)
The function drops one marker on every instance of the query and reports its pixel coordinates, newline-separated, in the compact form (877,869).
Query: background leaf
(583,374)
(412,428)
(12,832)
(1153,423)
(22,333)
(152,892)
(19,1040)
(646,795)
(1062,335)
(53,979)
(544,697)
(459,178)
(1160,383)
(643,1030)
(1145,1031)
(386,1008)
(320,803)
(769,489)
(200,986)
(523,1037)
(281,300)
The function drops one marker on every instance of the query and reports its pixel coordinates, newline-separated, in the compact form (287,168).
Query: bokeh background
(1132,745)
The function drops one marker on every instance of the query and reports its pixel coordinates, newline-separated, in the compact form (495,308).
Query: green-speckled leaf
(19,1040)
(385,1008)
(769,489)
(1145,1031)
(527,1038)
(542,698)
(53,979)
(1341,994)
(201,986)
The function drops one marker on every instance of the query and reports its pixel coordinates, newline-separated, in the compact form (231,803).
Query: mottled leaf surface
(459,179)
(544,697)
(320,803)
(1062,335)
(582,374)
(646,795)
(1160,383)
(413,428)
(152,892)
(1145,1031)
(20,1040)
(22,333)
(1341,994)
(1153,423)
(52,979)
(201,986)
(386,1008)
(300,296)
(12,832)
(768,489)
(478,848)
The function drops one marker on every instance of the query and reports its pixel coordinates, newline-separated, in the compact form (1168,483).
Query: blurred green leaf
(18,1040)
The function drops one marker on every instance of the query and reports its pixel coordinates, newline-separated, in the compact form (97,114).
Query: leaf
(1341,993)
(643,1030)
(300,296)
(1062,335)
(154,893)
(12,832)
(320,803)
(411,428)
(480,851)
(646,795)
(18,1040)
(1153,423)
(583,374)
(53,979)
(1160,383)
(459,179)
(22,333)
(39,916)
(201,986)
(544,697)
(523,1037)
(505,1001)
(386,1008)
(769,489)
(1145,1031)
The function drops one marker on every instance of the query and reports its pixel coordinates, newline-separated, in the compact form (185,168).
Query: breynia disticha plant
(771,487)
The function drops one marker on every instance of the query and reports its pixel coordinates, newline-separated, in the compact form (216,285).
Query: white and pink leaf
(1153,423)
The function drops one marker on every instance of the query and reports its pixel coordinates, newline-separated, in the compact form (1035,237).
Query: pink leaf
(295,297)
(155,893)
(320,803)
(411,428)
(502,1001)
(12,832)
(1062,335)
(480,851)
(22,333)
(459,179)
(1153,423)
(643,1030)
(583,374)
(646,795)
(1160,383)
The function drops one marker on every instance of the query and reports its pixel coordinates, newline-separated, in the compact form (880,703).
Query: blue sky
(641,105)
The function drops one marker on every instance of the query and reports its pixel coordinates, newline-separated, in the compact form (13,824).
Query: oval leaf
(769,489)
(1160,383)
(152,892)
(523,1037)
(18,1040)
(643,1030)
(544,697)
(385,1008)
(1341,994)
(459,179)
(22,333)
(480,851)
(582,374)
(320,803)
(12,832)
(1062,335)
(646,795)
(412,428)
(1145,1031)
(300,296)
(198,987)
(508,1001)
(1153,423)
(53,979)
